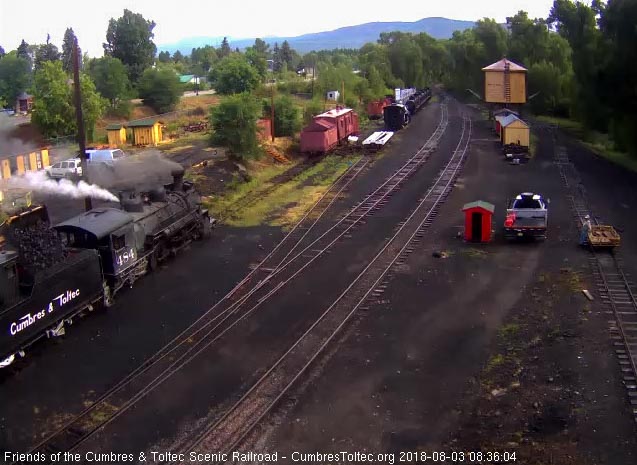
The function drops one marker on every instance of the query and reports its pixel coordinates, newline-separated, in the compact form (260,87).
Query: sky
(33,19)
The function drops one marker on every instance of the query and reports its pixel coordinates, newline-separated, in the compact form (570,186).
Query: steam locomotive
(407,103)
(49,275)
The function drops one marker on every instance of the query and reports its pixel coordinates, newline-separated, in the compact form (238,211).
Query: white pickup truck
(527,216)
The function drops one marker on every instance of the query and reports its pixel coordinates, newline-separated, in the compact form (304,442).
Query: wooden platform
(603,236)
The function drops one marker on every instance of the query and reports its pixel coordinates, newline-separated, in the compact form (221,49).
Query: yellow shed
(6,168)
(116,135)
(504,82)
(515,131)
(146,132)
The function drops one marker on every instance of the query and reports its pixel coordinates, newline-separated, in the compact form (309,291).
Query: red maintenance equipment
(328,130)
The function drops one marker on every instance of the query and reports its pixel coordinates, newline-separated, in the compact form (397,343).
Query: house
(189,79)
(146,131)
(116,135)
(514,131)
(24,103)
(333,95)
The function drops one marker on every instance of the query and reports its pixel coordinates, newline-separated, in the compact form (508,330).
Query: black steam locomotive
(399,114)
(49,275)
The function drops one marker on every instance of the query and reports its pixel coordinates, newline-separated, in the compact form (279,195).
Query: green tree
(46,52)
(110,78)
(618,85)
(286,53)
(160,89)
(130,39)
(164,57)
(493,38)
(234,75)
(24,51)
(67,50)
(53,107)
(287,116)
(577,23)
(234,122)
(276,58)
(178,57)
(15,77)
(205,56)
(257,56)
(225,49)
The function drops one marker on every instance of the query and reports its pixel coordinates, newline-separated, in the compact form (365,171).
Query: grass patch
(598,143)
(495,361)
(509,331)
(284,205)
(475,253)
(534,142)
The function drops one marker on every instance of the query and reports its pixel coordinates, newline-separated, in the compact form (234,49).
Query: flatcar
(49,275)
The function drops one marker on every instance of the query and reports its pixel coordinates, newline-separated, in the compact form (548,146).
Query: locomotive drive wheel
(203,230)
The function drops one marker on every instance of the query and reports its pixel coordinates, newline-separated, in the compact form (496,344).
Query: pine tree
(23,51)
(276,57)
(67,50)
(225,49)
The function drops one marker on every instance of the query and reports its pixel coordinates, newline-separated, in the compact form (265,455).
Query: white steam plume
(40,182)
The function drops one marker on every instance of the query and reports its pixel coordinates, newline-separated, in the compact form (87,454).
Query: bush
(312,109)
(234,122)
(287,117)
(160,89)
(234,75)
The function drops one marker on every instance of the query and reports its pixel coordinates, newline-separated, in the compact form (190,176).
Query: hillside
(345,37)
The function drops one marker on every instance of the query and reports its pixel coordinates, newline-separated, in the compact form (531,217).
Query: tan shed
(146,132)
(515,131)
(504,82)
(116,135)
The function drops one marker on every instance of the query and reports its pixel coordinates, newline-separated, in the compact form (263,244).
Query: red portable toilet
(477,221)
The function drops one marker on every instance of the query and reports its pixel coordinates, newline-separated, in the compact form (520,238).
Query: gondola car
(51,274)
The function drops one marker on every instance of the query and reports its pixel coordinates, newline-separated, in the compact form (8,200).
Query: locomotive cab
(109,231)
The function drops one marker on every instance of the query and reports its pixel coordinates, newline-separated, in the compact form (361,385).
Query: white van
(105,156)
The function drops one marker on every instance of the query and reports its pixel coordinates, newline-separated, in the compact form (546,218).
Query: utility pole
(81,133)
(343,85)
(272,112)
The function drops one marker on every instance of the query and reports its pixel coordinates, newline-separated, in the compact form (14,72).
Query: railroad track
(232,427)
(270,275)
(614,286)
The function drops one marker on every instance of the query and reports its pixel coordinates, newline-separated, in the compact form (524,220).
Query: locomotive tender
(408,102)
(49,275)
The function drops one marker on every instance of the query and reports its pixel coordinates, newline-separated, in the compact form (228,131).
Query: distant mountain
(345,37)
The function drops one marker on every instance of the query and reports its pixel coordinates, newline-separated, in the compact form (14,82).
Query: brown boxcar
(345,120)
(320,136)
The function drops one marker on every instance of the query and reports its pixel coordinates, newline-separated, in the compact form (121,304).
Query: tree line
(580,62)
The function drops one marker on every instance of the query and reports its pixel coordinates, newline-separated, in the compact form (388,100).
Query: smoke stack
(178,179)
(131,201)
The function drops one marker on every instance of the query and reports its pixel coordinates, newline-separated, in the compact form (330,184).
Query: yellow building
(515,131)
(504,82)
(116,135)
(146,132)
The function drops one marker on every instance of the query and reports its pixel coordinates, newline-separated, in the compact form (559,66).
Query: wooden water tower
(504,85)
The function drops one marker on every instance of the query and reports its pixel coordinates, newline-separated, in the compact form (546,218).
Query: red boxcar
(345,120)
(320,136)
(376,107)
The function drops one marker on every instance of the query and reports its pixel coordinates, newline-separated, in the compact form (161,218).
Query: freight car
(328,130)
(49,275)
(375,108)
(399,114)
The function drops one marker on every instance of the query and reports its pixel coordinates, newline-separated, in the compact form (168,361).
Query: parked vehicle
(106,156)
(527,216)
(71,168)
